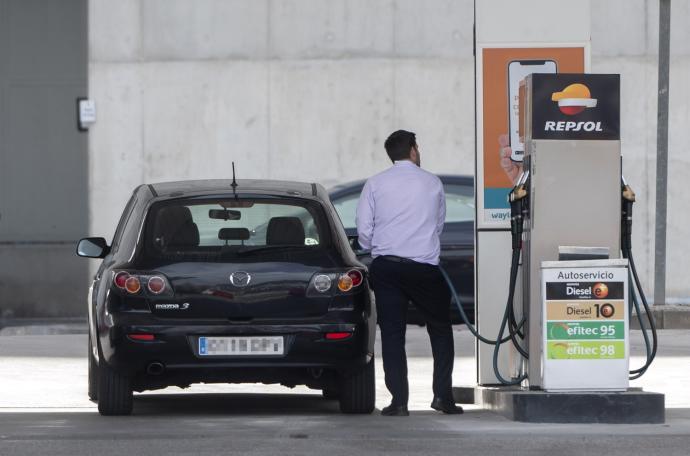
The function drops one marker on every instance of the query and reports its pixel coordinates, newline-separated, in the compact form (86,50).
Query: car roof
(216,186)
(356,186)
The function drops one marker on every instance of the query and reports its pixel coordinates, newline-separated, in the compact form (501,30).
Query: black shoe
(446,406)
(395,410)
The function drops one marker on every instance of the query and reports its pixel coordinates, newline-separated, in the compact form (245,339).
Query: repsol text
(551,125)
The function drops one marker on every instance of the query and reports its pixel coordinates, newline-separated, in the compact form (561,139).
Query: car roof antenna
(234,182)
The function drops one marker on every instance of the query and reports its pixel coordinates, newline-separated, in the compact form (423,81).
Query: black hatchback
(457,238)
(209,282)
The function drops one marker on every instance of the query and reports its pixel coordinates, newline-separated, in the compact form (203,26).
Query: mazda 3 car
(229,282)
(457,238)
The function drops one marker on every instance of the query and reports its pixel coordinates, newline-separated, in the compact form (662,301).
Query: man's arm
(441,210)
(365,217)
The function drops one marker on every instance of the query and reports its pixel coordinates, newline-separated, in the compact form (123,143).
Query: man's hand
(511,168)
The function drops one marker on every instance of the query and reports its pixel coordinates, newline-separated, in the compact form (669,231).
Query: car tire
(114,392)
(358,390)
(93,375)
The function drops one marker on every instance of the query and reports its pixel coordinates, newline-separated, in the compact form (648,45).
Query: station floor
(44,410)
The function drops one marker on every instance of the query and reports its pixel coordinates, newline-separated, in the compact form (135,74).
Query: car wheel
(114,392)
(358,390)
(93,375)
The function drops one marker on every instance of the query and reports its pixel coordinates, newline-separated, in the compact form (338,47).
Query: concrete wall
(43,158)
(625,41)
(309,89)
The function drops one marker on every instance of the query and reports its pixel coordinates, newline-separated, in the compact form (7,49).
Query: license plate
(241,346)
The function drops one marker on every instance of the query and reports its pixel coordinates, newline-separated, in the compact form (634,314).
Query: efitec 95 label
(580,330)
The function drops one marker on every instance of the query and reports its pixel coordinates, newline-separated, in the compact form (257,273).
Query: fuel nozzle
(627,201)
(518,199)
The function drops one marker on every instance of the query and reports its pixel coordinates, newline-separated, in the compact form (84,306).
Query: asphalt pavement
(44,410)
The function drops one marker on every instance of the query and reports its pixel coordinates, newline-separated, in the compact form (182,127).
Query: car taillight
(156,285)
(120,279)
(338,335)
(322,283)
(356,277)
(345,282)
(133,284)
(328,284)
(143,337)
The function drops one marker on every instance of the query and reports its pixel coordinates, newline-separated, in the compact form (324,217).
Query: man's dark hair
(399,144)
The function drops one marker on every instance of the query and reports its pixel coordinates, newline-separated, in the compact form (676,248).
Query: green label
(614,349)
(578,330)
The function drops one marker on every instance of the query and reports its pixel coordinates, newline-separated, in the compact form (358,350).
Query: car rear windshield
(228,229)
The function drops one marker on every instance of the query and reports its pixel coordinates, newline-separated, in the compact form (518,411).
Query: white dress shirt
(401,212)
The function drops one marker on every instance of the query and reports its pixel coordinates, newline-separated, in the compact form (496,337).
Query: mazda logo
(240,278)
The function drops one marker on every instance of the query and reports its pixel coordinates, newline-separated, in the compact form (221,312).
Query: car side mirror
(93,247)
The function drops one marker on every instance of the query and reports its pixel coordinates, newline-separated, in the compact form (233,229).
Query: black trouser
(396,283)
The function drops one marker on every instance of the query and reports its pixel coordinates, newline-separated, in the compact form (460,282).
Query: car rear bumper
(175,348)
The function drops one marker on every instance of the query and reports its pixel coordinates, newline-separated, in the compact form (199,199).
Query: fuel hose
(637,289)
(515,262)
(627,201)
(517,200)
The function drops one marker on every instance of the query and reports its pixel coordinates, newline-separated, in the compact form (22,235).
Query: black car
(209,282)
(457,239)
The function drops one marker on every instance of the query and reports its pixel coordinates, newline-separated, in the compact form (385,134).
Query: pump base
(631,407)
(465,394)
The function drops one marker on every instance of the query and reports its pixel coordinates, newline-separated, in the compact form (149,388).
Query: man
(400,216)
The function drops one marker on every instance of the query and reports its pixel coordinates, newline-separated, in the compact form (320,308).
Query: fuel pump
(569,194)
(561,323)
(519,205)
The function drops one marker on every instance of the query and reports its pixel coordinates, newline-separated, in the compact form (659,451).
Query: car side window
(347,209)
(133,225)
(459,203)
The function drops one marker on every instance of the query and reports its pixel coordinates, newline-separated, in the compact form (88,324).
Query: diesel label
(584,290)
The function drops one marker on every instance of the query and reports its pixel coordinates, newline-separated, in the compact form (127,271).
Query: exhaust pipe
(155,368)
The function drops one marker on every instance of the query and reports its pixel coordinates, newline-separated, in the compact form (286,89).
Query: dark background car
(207,283)
(457,239)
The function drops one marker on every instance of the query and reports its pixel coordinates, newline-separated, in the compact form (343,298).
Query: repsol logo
(572,126)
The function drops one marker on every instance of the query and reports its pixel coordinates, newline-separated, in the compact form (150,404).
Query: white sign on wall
(86,113)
